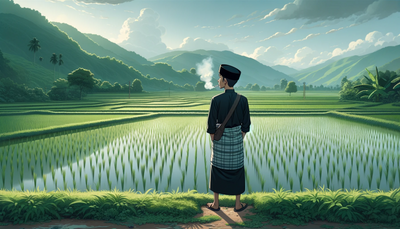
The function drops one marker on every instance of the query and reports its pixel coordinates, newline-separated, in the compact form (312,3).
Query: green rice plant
(358,181)
(63,173)
(21,174)
(380,170)
(142,168)
(104,164)
(391,183)
(295,164)
(272,171)
(369,181)
(86,179)
(276,181)
(137,162)
(350,174)
(287,173)
(151,172)
(97,186)
(34,179)
(44,181)
(320,172)
(370,170)
(136,184)
(73,175)
(291,183)
(156,179)
(387,172)
(308,171)
(301,186)
(262,184)
(117,173)
(154,162)
(364,165)
(378,182)
(122,183)
(277,166)
(109,185)
(108,173)
(328,182)
(269,162)
(65,185)
(92,171)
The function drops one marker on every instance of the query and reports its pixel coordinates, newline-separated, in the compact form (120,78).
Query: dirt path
(227,216)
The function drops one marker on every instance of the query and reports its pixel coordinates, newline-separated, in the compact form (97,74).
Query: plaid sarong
(227,153)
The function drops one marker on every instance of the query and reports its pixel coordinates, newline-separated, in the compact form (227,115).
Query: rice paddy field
(167,153)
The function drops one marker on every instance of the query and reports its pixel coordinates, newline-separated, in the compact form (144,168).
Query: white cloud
(190,44)
(143,34)
(301,59)
(334,30)
(264,55)
(373,41)
(309,36)
(279,34)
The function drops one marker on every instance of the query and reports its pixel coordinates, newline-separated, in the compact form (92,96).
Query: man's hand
(243,134)
(212,137)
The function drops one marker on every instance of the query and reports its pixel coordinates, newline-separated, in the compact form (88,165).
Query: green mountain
(285,69)
(22,25)
(102,47)
(252,70)
(353,67)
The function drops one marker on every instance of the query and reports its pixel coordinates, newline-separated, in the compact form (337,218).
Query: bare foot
(212,205)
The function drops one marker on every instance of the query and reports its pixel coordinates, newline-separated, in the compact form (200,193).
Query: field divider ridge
(392,125)
(49,130)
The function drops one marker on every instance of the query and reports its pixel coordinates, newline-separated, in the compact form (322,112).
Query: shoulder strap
(231,111)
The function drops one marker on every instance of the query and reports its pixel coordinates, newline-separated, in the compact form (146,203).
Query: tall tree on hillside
(54,61)
(40,58)
(60,62)
(34,46)
(82,78)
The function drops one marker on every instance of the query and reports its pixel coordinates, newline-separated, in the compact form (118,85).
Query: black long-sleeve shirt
(219,109)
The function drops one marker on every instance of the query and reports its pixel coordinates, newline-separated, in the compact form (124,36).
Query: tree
(263,88)
(374,89)
(60,62)
(34,46)
(248,86)
(137,86)
(53,60)
(82,78)
(284,83)
(200,86)
(105,85)
(117,87)
(276,86)
(291,87)
(343,81)
(188,87)
(193,71)
(255,87)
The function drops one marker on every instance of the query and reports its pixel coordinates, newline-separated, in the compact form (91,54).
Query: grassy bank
(180,207)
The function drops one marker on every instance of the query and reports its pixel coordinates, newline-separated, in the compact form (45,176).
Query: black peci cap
(229,72)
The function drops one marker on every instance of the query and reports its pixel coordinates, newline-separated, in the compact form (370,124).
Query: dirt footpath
(226,214)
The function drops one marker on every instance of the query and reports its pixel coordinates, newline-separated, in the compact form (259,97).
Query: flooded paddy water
(168,153)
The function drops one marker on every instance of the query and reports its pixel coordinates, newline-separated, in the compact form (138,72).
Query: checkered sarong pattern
(227,153)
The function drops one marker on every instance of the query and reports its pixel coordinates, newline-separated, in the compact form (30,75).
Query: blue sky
(295,33)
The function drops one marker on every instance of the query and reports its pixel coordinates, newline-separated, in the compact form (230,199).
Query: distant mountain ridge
(332,72)
(252,70)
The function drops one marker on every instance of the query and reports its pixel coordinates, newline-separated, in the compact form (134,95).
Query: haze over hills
(103,47)
(252,70)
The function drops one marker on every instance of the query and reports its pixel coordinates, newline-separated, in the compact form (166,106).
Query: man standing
(227,167)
